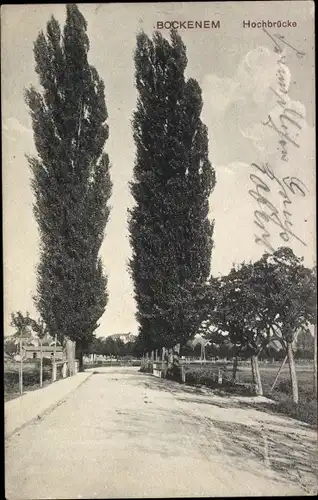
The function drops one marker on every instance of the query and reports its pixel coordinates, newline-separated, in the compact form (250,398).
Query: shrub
(305,410)
(209,378)
(29,378)
(174,373)
(283,386)
(146,368)
(47,362)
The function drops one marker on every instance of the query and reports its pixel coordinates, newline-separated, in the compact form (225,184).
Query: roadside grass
(31,377)
(304,411)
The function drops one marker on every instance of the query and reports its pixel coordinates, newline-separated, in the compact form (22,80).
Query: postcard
(159,242)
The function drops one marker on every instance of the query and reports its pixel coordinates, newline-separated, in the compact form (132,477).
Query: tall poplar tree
(71,180)
(170,232)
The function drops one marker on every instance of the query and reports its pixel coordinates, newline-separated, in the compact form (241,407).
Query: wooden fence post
(220,378)
(183,374)
(170,358)
(53,371)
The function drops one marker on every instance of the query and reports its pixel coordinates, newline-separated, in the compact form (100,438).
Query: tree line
(221,348)
(170,227)
(108,346)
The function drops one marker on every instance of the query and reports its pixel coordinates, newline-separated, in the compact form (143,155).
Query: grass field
(305,410)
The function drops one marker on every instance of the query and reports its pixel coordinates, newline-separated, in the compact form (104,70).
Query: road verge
(34,405)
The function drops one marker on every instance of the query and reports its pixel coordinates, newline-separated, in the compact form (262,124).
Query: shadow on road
(290,455)
(221,399)
(273,442)
(199,418)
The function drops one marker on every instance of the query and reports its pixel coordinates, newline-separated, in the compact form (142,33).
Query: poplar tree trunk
(257,376)
(292,371)
(70,353)
(79,356)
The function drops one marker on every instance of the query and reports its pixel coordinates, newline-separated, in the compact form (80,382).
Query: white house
(124,337)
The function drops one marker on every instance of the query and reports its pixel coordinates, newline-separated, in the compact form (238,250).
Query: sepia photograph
(159,250)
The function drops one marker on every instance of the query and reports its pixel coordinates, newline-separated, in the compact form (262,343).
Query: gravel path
(126,434)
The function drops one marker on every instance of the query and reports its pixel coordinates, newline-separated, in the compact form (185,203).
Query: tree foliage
(170,232)
(71,179)
(292,294)
(22,324)
(110,347)
(10,347)
(273,298)
(305,345)
(40,328)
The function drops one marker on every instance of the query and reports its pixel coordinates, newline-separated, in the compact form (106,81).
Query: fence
(158,363)
(59,368)
(64,369)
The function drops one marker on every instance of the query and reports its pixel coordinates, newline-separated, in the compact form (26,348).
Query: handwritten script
(289,121)
(287,126)
(268,213)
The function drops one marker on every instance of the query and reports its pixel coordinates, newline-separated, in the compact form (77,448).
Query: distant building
(124,337)
(34,352)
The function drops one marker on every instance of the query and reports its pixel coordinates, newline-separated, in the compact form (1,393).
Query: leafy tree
(292,302)
(95,347)
(40,328)
(130,348)
(305,345)
(110,347)
(242,311)
(236,314)
(170,232)
(190,349)
(121,348)
(272,298)
(10,347)
(71,181)
(22,325)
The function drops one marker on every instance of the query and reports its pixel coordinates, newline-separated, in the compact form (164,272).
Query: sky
(247,88)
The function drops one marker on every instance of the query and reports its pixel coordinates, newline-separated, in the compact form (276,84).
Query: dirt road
(126,434)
